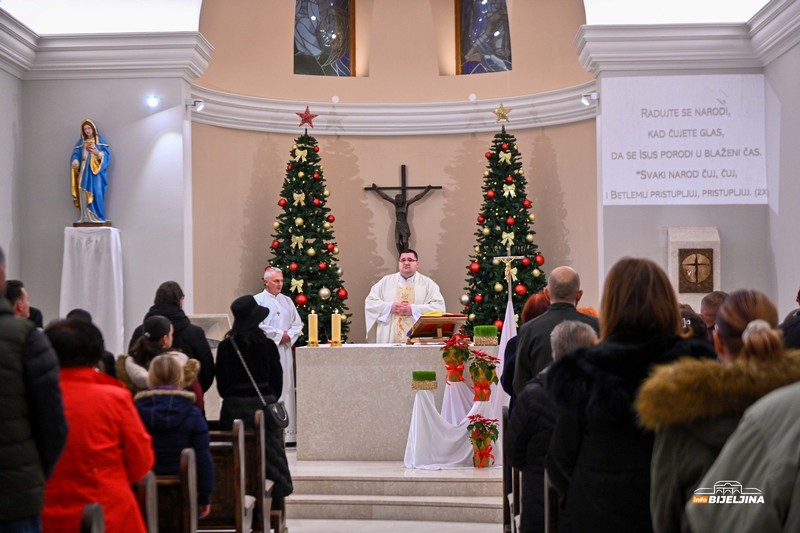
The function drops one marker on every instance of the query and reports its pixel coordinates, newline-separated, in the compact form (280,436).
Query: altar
(354,403)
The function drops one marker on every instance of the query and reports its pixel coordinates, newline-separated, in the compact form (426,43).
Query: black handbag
(276,416)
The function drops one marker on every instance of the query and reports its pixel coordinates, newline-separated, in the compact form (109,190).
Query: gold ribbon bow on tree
(509,190)
(508,238)
(505,156)
(299,198)
(297,285)
(297,241)
(300,155)
(511,272)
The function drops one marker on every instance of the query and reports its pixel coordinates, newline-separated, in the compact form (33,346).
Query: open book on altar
(435,328)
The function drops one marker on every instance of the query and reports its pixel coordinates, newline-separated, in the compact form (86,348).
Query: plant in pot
(483,369)
(482,433)
(455,353)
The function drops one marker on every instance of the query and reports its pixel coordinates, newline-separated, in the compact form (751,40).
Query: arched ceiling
(49,17)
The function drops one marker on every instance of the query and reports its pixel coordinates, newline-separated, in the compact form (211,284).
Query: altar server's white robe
(381,323)
(283,317)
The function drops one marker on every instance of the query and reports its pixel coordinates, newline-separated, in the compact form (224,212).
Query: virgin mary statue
(90,159)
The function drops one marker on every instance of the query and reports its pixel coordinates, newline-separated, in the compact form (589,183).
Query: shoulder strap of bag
(247,369)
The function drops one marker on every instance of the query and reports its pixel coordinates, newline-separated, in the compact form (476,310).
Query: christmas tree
(504,229)
(304,247)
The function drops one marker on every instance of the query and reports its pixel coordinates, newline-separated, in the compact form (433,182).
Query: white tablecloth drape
(457,401)
(91,278)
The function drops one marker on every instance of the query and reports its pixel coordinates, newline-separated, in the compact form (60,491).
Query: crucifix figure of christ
(402,230)
(511,273)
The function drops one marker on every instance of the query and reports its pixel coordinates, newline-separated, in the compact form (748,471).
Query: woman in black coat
(240,399)
(599,457)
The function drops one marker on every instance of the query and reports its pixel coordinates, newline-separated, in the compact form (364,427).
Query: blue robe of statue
(91,173)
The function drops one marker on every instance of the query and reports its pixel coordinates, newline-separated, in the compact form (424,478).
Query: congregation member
(34,425)
(17,296)
(693,324)
(398,300)
(533,349)
(174,423)
(283,326)
(694,405)
(249,376)
(791,327)
(762,454)
(599,457)
(709,306)
(108,448)
(530,427)
(156,339)
(187,337)
(108,363)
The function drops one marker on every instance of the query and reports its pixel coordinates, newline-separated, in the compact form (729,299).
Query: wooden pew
(92,519)
(257,483)
(177,497)
(231,507)
(512,486)
(147,496)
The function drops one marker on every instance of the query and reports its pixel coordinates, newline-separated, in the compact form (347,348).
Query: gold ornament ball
(529,237)
(486,231)
(326,193)
(335,250)
(521,172)
(311,252)
(485,173)
(276,224)
(326,225)
(532,217)
(498,287)
(299,221)
(324,293)
(464,299)
(471,317)
(495,262)
(301,174)
(536,272)
(477,249)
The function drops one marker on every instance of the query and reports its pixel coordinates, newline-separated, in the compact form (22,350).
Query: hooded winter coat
(175,423)
(599,457)
(694,406)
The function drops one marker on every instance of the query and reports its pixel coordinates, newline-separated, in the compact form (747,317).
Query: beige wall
(237,175)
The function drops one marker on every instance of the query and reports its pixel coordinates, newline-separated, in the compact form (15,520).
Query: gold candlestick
(336,329)
(313,326)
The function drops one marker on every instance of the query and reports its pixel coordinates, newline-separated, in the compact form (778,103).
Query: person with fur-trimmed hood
(694,406)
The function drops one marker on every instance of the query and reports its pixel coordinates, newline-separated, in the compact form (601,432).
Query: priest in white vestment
(398,300)
(283,326)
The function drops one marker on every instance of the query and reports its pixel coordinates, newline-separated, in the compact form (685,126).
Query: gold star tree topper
(501,113)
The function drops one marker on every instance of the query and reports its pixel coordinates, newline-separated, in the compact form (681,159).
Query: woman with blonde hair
(599,457)
(694,406)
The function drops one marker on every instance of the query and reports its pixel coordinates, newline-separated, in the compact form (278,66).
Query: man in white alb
(398,300)
(283,326)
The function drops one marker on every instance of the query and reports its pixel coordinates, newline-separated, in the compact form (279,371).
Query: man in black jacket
(34,427)
(533,350)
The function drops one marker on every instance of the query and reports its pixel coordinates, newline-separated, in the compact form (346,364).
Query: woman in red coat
(108,447)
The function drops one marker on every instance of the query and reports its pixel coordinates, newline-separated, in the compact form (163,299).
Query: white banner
(683,140)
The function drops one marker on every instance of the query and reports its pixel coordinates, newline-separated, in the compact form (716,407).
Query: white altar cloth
(457,401)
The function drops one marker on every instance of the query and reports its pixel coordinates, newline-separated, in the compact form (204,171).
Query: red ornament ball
(342,294)
(293,266)
(331,218)
(322,265)
(282,202)
(474,267)
(301,299)
(510,221)
(316,148)
(526,261)
(489,194)
(316,201)
(539,259)
(481,219)
(330,247)
(478,298)
(488,155)
(289,166)
(526,204)
(505,146)
(275,244)
(316,175)
(520,289)
(510,179)
(498,324)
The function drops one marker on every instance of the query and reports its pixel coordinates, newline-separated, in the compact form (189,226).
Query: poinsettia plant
(485,362)
(482,431)
(456,347)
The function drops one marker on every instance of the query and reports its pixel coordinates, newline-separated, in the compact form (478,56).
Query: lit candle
(336,328)
(312,328)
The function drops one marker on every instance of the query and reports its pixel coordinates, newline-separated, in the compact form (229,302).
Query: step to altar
(386,491)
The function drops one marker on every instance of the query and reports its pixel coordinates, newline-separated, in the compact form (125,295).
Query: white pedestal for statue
(91,279)
(355,403)
(697,238)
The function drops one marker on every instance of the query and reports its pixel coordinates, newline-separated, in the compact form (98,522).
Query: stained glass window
(324,43)
(484,41)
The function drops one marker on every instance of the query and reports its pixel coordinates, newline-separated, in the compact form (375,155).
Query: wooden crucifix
(402,230)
